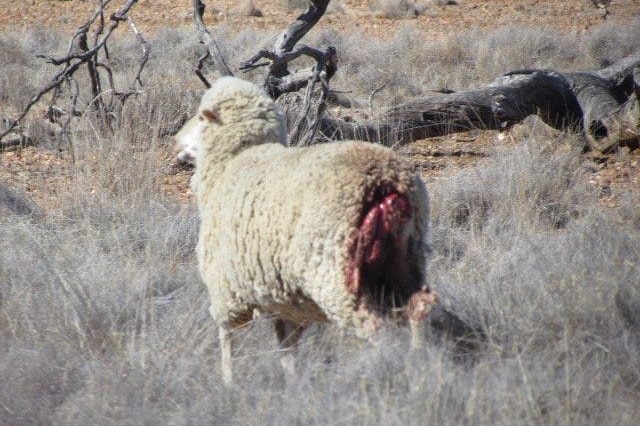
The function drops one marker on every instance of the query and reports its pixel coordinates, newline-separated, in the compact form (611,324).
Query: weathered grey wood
(608,101)
(623,67)
(209,42)
(15,140)
(506,101)
(276,86)
(600,104)
(287,40)
(279,79)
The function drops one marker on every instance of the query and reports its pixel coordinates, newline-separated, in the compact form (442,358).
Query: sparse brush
(607,43)
(335,6)
(294,4)
(398,8)
(248,8)
(17,81)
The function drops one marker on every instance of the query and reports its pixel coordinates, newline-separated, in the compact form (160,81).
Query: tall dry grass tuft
(397,8)
(294,4)
(18,81)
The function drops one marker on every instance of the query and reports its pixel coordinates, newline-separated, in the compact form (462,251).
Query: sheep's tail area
(379,255)
(383,218)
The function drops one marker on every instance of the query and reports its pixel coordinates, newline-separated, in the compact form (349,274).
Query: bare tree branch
(600,104)
(307,124)
(284,58)
(199,67)
(207,39)
(81,53)
(373,94)
(326,60)
(287,40)
(145,53)
(279,79)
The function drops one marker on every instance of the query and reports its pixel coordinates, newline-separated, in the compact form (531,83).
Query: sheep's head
(249,115)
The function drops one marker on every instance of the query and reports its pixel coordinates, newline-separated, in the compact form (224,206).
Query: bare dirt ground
(564,15)
(41,173)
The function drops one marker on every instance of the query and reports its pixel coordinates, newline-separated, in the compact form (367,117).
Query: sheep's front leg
(288,334)
(226,347)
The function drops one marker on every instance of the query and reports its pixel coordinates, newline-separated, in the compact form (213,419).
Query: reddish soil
(42,173)
(564,15)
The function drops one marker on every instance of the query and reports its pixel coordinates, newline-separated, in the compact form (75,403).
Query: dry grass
(397,8)
(408,66)
(103,319)
(294,4)
(249,8)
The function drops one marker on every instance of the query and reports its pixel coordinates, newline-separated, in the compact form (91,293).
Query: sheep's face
(247,114)
(188,141)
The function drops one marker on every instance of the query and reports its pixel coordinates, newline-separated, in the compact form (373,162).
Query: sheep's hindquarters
(386,262)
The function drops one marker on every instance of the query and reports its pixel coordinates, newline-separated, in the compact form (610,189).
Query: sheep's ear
(211,115)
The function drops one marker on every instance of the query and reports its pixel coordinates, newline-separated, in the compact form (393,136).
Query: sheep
(326,233)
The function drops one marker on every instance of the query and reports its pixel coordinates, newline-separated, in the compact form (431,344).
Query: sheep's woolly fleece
(307,234)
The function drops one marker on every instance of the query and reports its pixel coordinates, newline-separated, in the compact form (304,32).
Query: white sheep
(333,232)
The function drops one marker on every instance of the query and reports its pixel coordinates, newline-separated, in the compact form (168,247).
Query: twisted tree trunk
(603,105)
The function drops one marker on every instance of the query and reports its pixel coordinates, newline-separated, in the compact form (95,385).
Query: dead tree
(602,105)
(87,50)
(280,80)
(304,119)
(213,50)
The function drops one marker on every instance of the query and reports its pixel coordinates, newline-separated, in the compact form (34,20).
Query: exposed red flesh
(386,216)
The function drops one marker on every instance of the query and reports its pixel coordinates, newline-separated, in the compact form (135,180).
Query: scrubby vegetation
(103,318)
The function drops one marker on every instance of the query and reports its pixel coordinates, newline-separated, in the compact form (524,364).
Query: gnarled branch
(81,53)
(205,37)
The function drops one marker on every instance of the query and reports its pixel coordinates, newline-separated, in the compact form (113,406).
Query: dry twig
(80,53)
(213,51)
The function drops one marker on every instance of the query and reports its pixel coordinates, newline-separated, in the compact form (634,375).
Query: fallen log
(602,105)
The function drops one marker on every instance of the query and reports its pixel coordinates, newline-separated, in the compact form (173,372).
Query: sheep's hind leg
(288,334)
(417,309)
(226,347)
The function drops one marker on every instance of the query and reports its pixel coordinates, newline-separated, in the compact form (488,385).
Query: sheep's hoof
(420,303)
